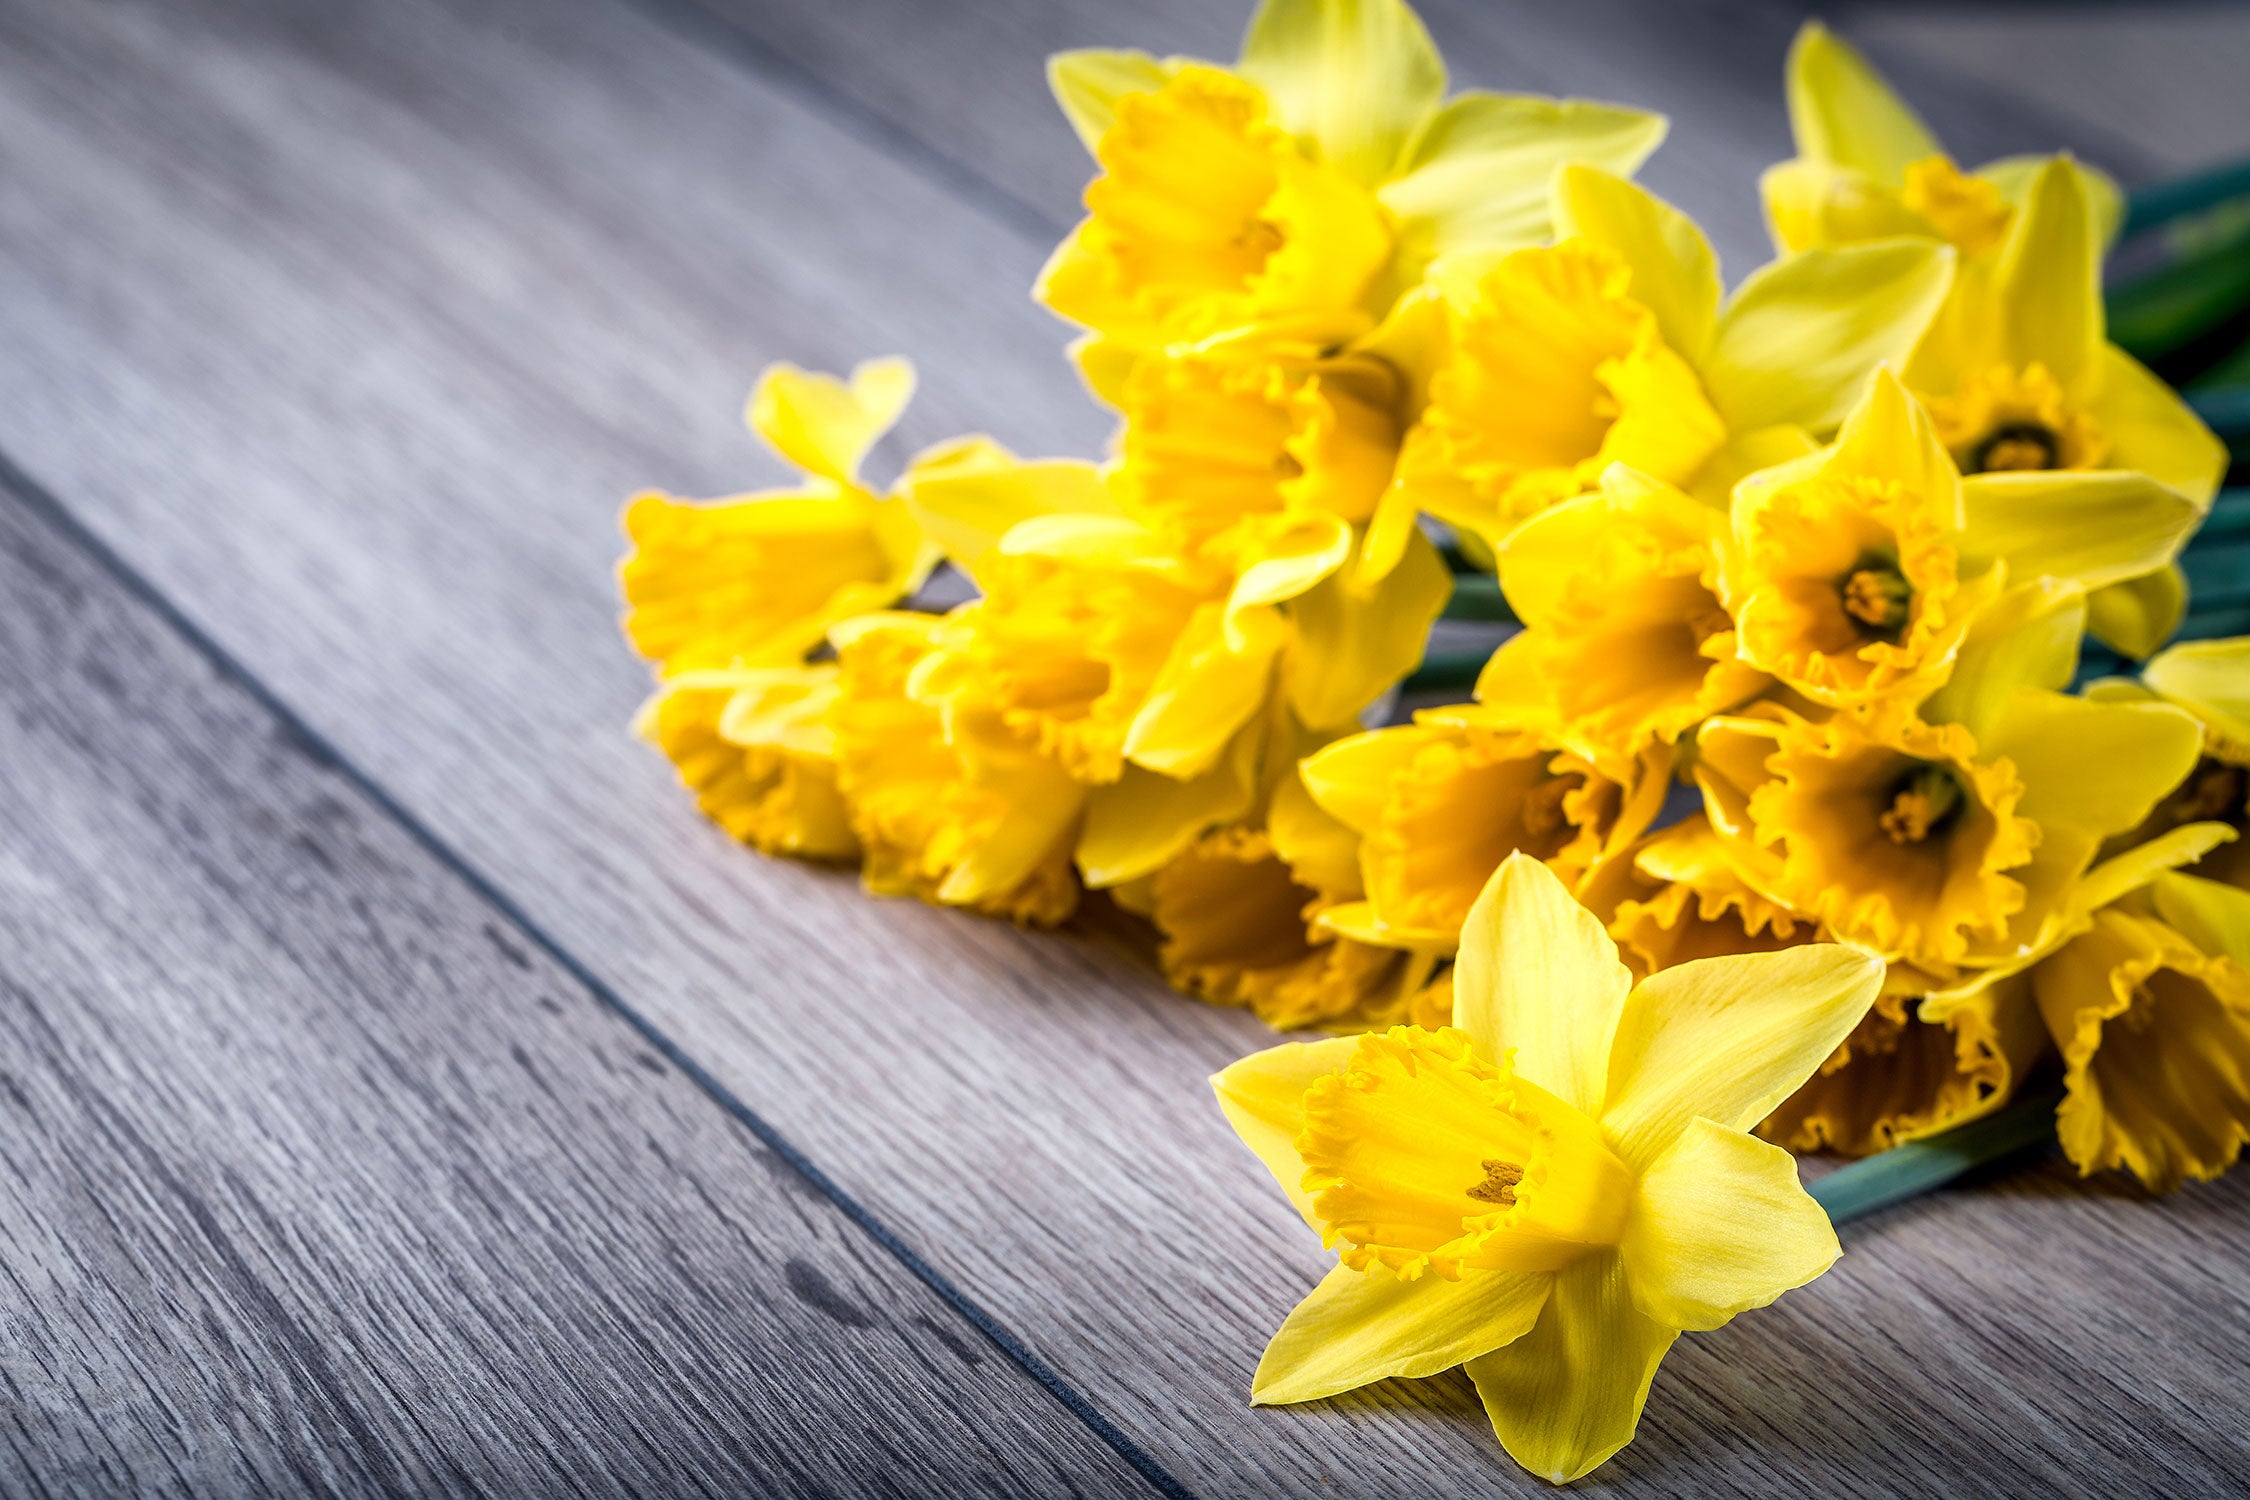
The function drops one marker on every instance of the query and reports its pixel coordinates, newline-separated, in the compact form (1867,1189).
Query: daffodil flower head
(753,744)
(963,818)
(1550,1191)
(1680,898)
(2153,1020)
(758,579)
(2211,680)
(1441,803)
(1310,183)
(1868,168)
(1626,637)
(1612,346)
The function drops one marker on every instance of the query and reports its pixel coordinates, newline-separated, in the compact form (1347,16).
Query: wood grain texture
(316,1176)
(351,326)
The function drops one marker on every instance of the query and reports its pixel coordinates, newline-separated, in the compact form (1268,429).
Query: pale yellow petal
(1354,77)
(968,505)
(1720,1225)
(1888,436)
(1476,178)
(2135,618)
(1812,203)
(2014,176)
(2151,430)
(1729,1038)
(2049,279)
(1088,83)
(1538,977)
(824,426)
(1842,111)
(2098,767)
(2211,678)
(2088,527)
(1263,1097)
(1569,1393)
(1799,337)
(2212,915)
(1358,1327)
(1674,273)
(2028,637)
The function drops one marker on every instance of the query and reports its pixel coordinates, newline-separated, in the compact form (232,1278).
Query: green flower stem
(1476,596)
(1913,1169)
(2163,202)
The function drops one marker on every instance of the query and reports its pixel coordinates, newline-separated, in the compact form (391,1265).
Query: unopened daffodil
(1612,345)
(1311,183)
(758,579)
(1555,1187)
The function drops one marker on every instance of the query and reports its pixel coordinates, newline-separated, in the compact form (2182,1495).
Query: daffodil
(1857,571)
(758,579)
(1626,640)
(1311,183)
(1554,1188)
(960,814)
(1679,898)
(753,744)
(1939,844)
(1867,167)
(2151,1008)
(2211,680)
(1612,346)
(2023,383)
(1440,803)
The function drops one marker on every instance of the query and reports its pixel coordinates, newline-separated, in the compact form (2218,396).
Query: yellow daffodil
(1550,1191)
(1857,571)
(1440,803)
(1939,844)
(753,744)
(2151,1008)
(757,580)
(1626,640)
(2023,382)
(2211,680)
(960,814)
(1612,346)
(1679,898)
(1867,168)
(1311,183)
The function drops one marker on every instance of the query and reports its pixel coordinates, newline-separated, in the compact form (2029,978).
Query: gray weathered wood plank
(350,326)
(317,1176)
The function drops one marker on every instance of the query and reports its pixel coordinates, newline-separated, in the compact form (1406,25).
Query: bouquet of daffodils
(1816,804)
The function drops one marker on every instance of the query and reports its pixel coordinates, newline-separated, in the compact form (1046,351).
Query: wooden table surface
(401,1091)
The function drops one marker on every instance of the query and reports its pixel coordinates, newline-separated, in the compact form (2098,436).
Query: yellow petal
(2028,637)
(1144,818)
(2105,204)
(2151,430)
(1537,976)
(1569,1393)
(1813,203)
(1263,1097)
(1799,337)
(2209,678)
(1088,83)
(1352,643)
(2049,279)
(1043,808)
(1354,77)
(970,502)
(824,426)
(2091,528)
(1476,178)
(1351,779)
(1842,111)
(2138,616)
(1319,849)
(1720,1225)
(1358,1327)
(1889,436)
(1214,682)
(2213,916)
(1729,1038)
(1674,273)
(2097,767)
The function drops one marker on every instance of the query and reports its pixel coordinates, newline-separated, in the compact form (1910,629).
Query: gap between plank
(42,502)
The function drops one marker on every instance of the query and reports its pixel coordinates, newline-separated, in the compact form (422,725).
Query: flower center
(1422,1155)
(2016,446)
(1926,801)
(1968,211)
(1877,595)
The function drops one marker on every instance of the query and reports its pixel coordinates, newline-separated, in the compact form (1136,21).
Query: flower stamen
(2018,446)
(1878,596)
(1924,803)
